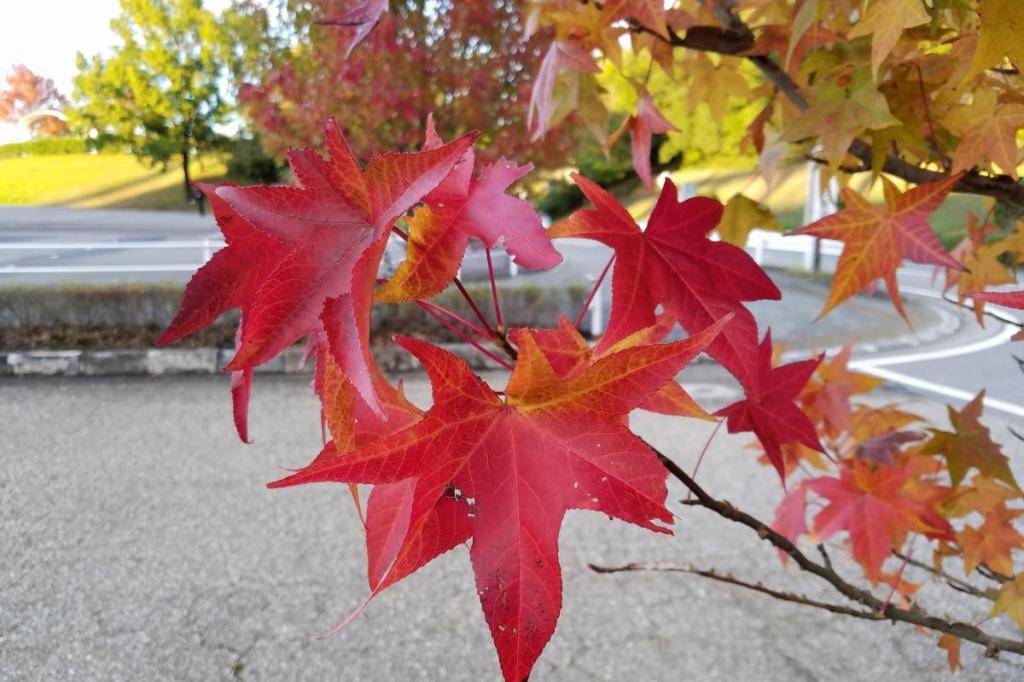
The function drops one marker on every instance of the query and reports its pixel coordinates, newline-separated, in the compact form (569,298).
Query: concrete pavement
(140,544)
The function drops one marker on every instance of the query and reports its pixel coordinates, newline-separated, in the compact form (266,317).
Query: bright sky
(45,35)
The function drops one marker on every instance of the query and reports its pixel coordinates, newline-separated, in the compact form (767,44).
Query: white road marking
(1004,336)
(941,389)
(876,367)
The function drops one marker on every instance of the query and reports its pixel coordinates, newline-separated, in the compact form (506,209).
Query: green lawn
(98,181)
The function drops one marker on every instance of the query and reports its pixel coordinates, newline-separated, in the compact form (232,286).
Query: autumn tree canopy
(464,61)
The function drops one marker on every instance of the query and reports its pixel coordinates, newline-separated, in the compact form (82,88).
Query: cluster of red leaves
(497,469)
(886,485)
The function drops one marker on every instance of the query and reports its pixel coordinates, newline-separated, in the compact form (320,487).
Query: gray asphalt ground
(139,543)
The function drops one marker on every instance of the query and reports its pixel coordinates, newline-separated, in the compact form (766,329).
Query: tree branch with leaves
(498,468)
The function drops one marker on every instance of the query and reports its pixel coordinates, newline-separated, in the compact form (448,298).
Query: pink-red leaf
(359,20)
(462,207)
(301,257)
(647,123)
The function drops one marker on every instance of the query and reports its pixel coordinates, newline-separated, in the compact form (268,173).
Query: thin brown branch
(933,138)
(992,575)
(824,556)
(849,170)
(954,582)
(732,580)
(913,615)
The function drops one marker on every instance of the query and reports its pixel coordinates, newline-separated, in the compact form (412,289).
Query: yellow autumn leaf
(1011,600)
(1002,22)
(742,214)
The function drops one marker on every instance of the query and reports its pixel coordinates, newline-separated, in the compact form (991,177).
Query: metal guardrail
(206,247)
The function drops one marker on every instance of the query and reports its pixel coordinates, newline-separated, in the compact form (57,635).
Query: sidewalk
(140,543)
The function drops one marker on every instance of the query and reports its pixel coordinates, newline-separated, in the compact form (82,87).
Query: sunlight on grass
(98,181)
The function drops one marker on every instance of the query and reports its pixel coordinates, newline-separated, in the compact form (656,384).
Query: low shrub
(90,317)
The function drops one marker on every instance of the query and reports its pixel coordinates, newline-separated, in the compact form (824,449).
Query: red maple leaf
(770,410)
(673,263)
(461,207)
(878,506)
(504,471)
(314,263)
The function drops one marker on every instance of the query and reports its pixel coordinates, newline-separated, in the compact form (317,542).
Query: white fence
(762,241)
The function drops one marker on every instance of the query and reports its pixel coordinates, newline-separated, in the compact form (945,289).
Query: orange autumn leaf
(885,22)
(568,352)
(877,239)
(875,505)
(870,422)
(982,496)
(993,542)
(991,138)
(951,643)
(827,395)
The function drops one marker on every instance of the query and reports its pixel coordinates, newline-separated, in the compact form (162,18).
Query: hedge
(45,146)
(88,317)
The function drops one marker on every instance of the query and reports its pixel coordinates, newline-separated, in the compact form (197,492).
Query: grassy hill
(121,181)
(99,181)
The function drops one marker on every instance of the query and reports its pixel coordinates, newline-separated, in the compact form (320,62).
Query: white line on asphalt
(1004,335)
(941,389)
(79,269)
(875,367)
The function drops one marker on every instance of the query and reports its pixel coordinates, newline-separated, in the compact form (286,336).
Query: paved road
(48,224)
(140,544)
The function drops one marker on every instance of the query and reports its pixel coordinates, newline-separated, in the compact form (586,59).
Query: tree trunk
(190,193)
(188,177)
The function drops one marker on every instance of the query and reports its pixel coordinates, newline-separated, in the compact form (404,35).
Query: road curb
(179,361)
(391,358)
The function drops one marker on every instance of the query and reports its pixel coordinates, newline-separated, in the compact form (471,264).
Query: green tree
(159,93)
